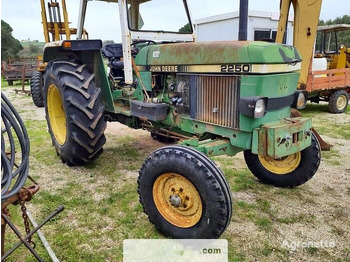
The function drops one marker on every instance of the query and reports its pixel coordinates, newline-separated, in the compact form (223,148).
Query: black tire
(309,162)
(36,88)
(10,82)
(206,177)
(83,110)
(335,98)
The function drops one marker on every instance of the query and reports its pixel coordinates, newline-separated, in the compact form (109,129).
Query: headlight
(254,107)
(300,99)
(260,108)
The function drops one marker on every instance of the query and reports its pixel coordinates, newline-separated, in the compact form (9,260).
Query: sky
(102,20)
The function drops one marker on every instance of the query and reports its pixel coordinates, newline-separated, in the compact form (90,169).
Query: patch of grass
(244,210)
(240,179)
(236,256)
(301,218)
(270,252)
(4,84)
(319,112)
(312,109)
(333,153)
(295,192)
(259,213)
(332,157)
(335,130)
(312,250)
(265,217)
(267,249)
(264,206)
(122,153)
(264,223)
(243,180)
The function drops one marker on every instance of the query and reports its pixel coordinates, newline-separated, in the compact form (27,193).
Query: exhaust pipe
(243,20)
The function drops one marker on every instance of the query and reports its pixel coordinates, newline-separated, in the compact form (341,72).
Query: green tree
(345,19)
(34,49)
(108,42)
(186,29)
(10,46)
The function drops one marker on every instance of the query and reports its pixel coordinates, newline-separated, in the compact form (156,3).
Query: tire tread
(214,180)
(36,88)
(84,111)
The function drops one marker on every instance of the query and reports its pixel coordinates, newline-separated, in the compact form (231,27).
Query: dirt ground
(319,210)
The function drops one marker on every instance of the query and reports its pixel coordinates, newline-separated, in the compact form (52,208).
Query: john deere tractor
(213,98)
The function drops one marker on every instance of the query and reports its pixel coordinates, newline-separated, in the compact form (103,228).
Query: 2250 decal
(244,68)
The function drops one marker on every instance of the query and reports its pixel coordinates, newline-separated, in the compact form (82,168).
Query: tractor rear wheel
(289,171)
(36,88)
(338,102)
(184,194)
(74,112)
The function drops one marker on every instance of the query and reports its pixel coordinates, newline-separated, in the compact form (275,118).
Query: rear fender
(86,52)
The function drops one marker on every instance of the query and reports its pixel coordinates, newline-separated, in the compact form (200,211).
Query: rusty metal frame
(55,26)
(324,145)
(25,194)
(328,79)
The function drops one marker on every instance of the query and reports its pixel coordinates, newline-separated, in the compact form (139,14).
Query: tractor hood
(217,53)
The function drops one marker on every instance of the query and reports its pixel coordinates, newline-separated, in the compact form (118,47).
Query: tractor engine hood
(219,53)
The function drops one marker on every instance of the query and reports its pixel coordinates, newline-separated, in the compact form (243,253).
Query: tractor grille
(217,100)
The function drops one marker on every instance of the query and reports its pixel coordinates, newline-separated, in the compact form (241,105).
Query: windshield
(158,15)
(326,42)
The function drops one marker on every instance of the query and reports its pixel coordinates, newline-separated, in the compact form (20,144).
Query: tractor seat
(112,51)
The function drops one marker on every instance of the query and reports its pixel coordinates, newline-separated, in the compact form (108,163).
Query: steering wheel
(135,50)
(144,41)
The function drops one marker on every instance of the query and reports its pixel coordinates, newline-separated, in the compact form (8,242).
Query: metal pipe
(3,228)
(174,133)
(59,20)
(51,20)
(81,18)
(243,20)
(65,17)
(55,22)
(44,20)
(24,240)
(43,239)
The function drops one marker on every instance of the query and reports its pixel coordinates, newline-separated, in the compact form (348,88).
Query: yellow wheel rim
(341,102)
(177,200)
(283,165)
(57,116)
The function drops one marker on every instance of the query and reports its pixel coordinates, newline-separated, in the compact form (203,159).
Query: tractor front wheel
(338,102)
(36,88)
(74,112)
(289,171)
(184,194)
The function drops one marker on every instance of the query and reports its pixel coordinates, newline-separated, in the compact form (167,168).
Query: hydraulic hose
(14,139)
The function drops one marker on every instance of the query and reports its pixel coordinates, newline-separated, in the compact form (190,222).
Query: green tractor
(214,98)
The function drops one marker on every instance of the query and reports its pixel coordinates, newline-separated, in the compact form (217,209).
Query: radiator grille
(217,100)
